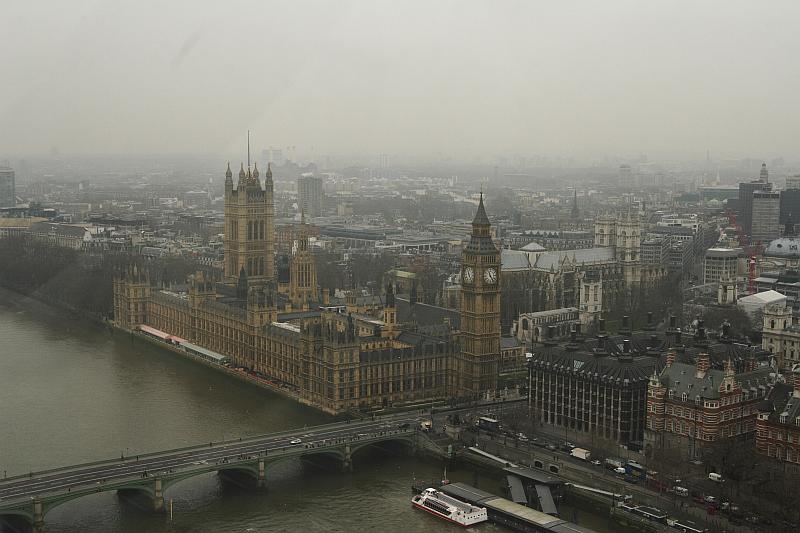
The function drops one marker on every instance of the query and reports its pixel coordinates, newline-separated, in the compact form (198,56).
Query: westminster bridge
(31,496)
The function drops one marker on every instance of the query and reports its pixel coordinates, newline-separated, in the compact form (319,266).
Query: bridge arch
(407,440)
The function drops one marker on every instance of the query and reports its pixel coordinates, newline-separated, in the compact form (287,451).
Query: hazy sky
(667,78)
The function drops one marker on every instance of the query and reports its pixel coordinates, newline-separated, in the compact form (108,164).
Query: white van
(680,491)
(713,476)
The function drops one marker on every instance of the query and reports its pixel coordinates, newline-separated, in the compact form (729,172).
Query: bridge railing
(250,439)
(128,480)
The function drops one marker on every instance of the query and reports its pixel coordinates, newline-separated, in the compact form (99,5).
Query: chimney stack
(671,357)
(673,322)
(703,364)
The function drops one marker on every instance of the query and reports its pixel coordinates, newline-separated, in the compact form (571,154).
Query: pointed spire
(228,173)
(268,175)
(242,174)
(255,170)
(480,216)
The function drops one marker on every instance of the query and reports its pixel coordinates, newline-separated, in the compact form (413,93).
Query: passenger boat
(449,508)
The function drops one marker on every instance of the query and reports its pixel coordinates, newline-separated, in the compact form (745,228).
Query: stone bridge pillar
(347,465)
(261,482)
(158,495)
(38,516)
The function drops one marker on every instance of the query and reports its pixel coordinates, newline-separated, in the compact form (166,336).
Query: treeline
(72,278)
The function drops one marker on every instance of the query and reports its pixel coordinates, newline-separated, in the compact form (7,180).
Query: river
(72,392)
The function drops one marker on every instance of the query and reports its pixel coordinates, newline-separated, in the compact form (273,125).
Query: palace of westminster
(336,358)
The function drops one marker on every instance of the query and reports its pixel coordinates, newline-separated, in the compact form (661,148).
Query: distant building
(790,204)
(534,327)
(8,194)
(745,202)
(778,422)
(310,196)
(721,264)
(781,335)
(766,210)
(196,199)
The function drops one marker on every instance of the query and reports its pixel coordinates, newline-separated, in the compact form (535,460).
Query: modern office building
(765,222)
(721,264)
(745,203)
(310,196)
(8,193)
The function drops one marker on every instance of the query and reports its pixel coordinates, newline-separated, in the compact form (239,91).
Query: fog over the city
(586,78)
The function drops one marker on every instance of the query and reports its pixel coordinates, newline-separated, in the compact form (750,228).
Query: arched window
(772,324)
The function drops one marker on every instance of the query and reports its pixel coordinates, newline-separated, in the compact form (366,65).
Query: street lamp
(529,364)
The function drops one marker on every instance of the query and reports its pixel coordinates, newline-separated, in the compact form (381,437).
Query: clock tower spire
(480,309)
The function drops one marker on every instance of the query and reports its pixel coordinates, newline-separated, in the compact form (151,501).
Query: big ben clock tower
(480,310)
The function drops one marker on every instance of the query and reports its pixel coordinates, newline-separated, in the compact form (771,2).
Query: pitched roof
(602,254)
(480,216)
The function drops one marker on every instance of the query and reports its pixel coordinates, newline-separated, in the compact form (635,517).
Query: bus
(489,424)
(635,470)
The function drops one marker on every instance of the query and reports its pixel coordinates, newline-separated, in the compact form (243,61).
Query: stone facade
(336,358)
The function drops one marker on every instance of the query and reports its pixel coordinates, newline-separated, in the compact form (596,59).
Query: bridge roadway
(32,495)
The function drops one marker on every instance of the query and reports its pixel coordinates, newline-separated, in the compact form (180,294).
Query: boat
(449,508)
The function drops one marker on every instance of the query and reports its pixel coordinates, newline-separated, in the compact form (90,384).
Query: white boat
(449,508)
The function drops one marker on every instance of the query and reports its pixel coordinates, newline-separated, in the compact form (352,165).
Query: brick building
(778,422)
(690,406)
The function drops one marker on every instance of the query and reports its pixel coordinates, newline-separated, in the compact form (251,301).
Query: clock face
(490,276)
(469,274)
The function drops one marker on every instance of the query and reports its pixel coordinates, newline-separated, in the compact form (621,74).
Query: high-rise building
(310,196)
(625,176)
(7,187)
(766,223)
(746,191)
(790,199)
(480,309)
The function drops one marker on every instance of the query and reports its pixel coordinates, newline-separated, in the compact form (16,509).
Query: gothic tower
(303,278)
(249,229)
(480,309)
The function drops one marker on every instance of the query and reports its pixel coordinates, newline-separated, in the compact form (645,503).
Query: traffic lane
(233,451)
(343,427)
(234,446)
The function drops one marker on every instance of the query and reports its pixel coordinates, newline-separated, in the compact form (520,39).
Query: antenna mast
(248,149)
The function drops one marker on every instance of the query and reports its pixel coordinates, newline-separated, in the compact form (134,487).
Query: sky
(667,78)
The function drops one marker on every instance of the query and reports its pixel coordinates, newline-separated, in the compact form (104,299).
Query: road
(599,477)
(206,456)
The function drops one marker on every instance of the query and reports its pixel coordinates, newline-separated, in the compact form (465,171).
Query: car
(296,441)
(403,425)
(619,470)
(522,437)
(551,447)
(596,462)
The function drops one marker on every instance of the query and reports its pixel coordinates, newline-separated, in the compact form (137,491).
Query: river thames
(73,392)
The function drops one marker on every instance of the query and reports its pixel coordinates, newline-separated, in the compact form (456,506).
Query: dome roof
(784,247)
